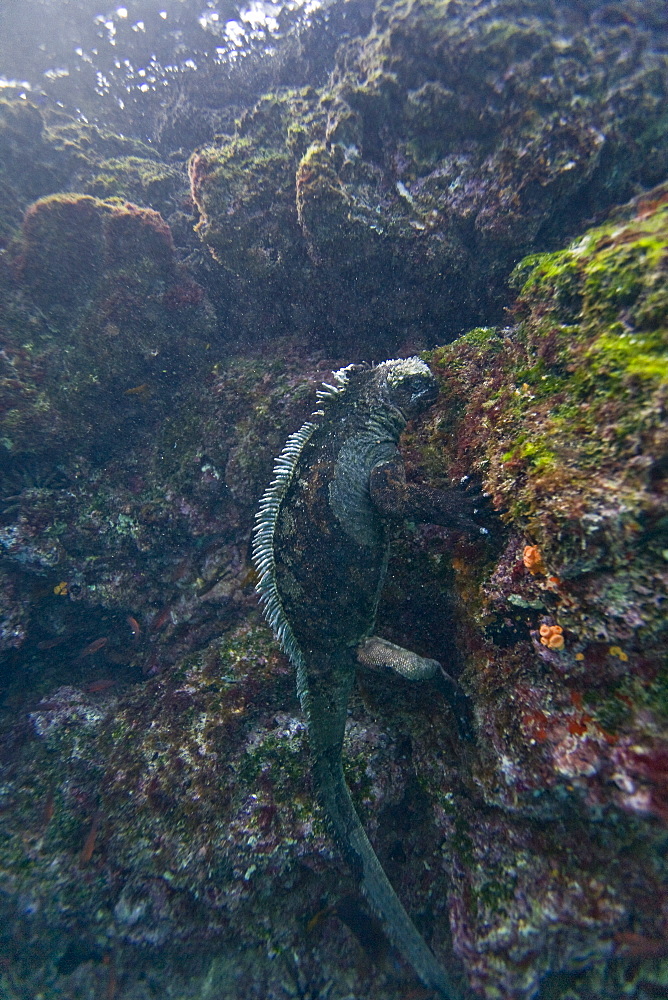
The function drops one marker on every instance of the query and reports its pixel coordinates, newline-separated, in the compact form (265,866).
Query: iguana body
(321,549)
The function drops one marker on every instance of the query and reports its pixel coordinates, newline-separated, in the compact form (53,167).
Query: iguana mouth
(426,397)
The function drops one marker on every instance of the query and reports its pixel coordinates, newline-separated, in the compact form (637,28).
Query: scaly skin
(321,549)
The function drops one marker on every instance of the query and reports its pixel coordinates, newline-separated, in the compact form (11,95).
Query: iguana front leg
(394,498)
(453,508)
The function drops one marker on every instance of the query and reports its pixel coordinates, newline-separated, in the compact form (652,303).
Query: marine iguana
(320,548)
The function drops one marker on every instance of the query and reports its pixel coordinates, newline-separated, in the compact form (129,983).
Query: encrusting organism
(551,636)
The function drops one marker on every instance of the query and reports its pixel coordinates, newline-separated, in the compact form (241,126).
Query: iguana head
(406,384)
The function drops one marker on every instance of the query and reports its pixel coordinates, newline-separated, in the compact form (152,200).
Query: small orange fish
(49,808)
(89,843)
(51,643)
(112,981)
(639,946)
(138,390)
(102,685)
(319,917)
(134,626)
(160,619)
(93,647)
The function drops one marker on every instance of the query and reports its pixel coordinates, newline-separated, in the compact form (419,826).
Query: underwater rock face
(96,307)
(68,241)
(179,808)
(45,151)
(144,542)
(182,816)
(155,786)
(449,142)
(564,418)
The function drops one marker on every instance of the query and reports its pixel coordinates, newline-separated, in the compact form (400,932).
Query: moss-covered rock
(99,315)
(243,187)
(566,424)
(154,759)
(182,812)
(139,180)
(562,628)
(387,208)
(69,241)
(44,151)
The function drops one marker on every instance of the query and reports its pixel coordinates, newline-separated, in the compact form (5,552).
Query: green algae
(250,173)
(137,179)
(562,418)
(623,353)
(534,454)
(587,335)
(82,144)
(281,756)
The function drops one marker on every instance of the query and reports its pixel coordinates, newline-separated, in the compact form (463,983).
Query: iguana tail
(324,692)
(360,855)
